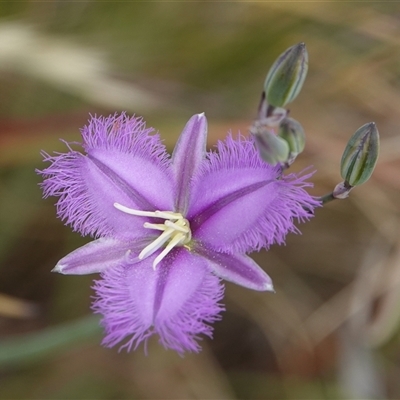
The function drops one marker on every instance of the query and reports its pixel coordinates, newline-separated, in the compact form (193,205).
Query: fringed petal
(241,204)
(124,164)
(177,301)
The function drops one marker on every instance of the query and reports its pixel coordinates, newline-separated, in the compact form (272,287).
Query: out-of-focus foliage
(332,328)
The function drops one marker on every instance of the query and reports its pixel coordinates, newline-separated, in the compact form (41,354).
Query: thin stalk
(327,198)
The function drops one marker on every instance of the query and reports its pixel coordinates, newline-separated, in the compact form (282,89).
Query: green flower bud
(286,76)
(291,131)
(273,149)
(360,155)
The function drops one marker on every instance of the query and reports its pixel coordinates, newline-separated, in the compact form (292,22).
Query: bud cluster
(280,139)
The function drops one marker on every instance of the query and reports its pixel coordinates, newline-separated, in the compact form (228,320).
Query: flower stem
(327,198)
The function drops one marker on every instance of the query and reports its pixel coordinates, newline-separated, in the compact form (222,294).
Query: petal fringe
(125,164)
(242,204)
(125,134)
(178,301)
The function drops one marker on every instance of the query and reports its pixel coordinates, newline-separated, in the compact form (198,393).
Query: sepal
(97,256)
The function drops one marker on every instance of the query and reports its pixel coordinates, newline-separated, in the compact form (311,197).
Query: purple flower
(169,228)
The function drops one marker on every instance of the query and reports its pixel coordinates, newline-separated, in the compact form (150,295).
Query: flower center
(175,230)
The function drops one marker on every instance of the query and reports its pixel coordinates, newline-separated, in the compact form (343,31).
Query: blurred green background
(331,331)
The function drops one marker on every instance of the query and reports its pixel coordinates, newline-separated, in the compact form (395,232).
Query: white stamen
(175,229)
(170,224)
(159,227)
(156,244)
(175,241)
(133,212)
(155,214)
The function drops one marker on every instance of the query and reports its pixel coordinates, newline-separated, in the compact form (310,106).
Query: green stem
(327,198)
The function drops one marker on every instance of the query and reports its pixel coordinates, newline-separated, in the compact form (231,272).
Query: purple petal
(124,164)
(188,154)
(237,268)
(241,204)
(177,301)
(96,256)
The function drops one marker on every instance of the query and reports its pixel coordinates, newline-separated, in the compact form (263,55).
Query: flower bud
(286,76)
(360,155)
(273,149)
(291,131)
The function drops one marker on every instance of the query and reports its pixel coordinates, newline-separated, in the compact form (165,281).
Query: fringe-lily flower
(169,229)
